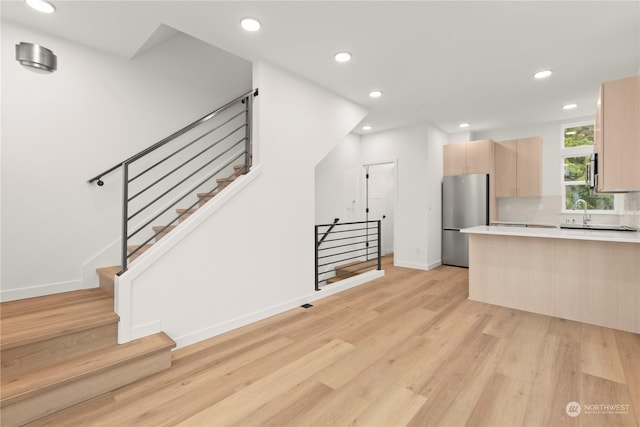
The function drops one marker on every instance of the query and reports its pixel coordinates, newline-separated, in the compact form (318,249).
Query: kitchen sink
(601,227)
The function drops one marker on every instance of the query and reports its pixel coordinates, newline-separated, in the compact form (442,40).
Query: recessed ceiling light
(542,74)
(464,125)
(343,56)
(569,106)
(41,6)
(250,24)
(366,127)
(375,93)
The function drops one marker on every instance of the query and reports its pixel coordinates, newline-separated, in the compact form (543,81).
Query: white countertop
(557,233)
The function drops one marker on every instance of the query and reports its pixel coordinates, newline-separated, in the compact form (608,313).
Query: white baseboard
(418,266)
(42,290)
(223,327)
(434,264)
(414,265)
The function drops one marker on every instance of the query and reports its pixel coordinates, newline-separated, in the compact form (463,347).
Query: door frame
(365,187)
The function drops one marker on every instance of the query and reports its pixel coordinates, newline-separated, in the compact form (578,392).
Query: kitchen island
(584,275)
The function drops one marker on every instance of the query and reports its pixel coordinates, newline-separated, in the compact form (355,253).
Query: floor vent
(306,305)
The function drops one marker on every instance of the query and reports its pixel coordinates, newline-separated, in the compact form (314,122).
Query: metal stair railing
(176,168)
(358,243)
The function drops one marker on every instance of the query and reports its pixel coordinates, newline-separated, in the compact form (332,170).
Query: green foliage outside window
(578,136)
(575,172)
(594,201)
(575,168)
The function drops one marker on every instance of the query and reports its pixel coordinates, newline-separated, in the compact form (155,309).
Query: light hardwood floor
(406,349)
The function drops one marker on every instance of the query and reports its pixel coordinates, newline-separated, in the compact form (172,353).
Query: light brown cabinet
(473,157)
(468,158)
(617,136)
(518,164)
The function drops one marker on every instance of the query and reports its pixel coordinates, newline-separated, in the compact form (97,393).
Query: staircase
(160,231)
(60,350)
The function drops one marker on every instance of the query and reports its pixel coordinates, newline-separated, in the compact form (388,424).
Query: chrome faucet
(586,218)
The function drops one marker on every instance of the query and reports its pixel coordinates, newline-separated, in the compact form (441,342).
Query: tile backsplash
(548,209)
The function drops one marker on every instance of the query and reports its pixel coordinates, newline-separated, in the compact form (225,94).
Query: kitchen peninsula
(583,275)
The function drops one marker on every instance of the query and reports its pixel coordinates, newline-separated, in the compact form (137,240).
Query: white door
(381,197)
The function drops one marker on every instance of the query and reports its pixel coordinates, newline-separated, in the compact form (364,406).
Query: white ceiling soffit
(159,36)
(442,62)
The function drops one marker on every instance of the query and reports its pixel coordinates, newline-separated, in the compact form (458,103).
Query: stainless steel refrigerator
(465,203)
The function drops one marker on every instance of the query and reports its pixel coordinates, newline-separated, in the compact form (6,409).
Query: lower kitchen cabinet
(590,281)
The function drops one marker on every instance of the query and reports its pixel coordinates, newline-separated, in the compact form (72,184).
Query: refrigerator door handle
(451,229)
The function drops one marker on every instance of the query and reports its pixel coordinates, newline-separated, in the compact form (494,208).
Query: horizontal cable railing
(183,170)
(346,249)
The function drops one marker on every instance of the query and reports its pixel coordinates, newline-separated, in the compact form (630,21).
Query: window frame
(581,151)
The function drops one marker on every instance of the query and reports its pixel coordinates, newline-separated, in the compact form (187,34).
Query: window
(577,147)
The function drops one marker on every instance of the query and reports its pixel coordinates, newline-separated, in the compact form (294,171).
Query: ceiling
(439,62)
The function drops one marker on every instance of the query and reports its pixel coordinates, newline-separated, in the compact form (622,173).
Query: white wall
(418,152)
(61,129)
(253,254)
(458,137)
(338,183)
(436,139)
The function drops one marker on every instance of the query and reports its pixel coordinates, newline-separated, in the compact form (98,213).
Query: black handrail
(170,138)
(335,221)
(362,254)
(185,176)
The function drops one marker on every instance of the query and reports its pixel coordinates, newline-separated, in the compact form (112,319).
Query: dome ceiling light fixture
(464,125)
(36,57)
(542,74)
(375,93)
(41,6)
(250,24)
(569,106)
(342,57)
(366,127)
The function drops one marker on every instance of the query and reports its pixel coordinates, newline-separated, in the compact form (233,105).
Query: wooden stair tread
(131,248)
(211,194)
(231,179)
(353,267)
(157,228)
(39,381)
(53,319)
(109,271)
(190,211)
(11,308)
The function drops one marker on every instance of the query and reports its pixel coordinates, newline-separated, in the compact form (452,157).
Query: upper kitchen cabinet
(617,136)
(519,167)
(468,158)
